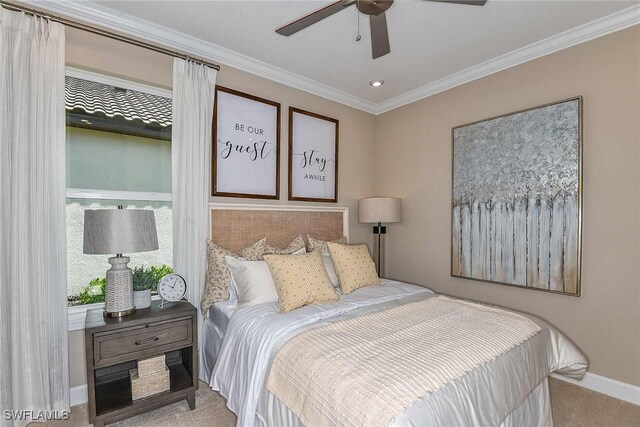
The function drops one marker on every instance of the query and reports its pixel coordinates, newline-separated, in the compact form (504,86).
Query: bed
(241,346)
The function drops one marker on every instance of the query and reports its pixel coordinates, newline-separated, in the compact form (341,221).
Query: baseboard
(608,386)
(78,395)
(614,388)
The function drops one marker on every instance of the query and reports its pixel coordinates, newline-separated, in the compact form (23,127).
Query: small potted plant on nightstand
(143,281)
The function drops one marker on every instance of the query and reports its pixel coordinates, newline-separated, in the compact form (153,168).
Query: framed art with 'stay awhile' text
(246,146)
(313,157)
(517,198)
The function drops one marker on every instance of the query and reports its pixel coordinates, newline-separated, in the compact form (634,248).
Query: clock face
(172,287)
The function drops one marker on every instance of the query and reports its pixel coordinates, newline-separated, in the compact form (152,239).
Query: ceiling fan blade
(379,35)
(468,2)
(313,17)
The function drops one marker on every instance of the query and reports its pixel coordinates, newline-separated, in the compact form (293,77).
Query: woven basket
(151,365)
(148,385)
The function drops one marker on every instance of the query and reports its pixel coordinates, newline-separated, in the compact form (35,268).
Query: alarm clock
(172,288)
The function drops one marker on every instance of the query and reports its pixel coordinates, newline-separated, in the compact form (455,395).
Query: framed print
(246,146)
(313,157)
(517,198)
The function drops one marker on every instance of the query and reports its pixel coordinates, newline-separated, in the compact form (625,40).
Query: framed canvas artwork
(517,198)
(313,157)
(246,146)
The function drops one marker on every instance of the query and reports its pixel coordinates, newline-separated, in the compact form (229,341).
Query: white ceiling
(429,41)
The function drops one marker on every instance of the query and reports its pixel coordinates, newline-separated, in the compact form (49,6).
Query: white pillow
(233,293)
(331,271)
(252,281)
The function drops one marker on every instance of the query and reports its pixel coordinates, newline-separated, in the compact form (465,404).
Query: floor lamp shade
(118,231)
(379,210)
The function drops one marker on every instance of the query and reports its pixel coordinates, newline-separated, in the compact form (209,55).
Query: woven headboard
(235,226)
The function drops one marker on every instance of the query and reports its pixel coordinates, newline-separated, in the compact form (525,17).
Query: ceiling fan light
(376,83)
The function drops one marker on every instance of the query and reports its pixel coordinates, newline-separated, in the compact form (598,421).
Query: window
(118,152)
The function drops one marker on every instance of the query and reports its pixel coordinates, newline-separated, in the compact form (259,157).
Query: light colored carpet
(572,406)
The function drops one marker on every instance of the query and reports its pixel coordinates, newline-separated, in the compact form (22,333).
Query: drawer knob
(147,341)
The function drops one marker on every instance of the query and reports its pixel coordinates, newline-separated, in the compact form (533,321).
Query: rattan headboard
(235,226)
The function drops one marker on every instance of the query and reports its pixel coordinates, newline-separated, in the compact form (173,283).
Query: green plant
(158,273)
(93,292)
(147,278)
(143,279)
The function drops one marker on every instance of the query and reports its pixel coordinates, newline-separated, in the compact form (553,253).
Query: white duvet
(485,396)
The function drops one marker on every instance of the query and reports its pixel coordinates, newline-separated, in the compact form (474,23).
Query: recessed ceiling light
(376,83)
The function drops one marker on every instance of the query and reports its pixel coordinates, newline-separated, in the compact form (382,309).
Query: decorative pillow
(300,280)
(218,276)
(331,271)
(233,293)
(354,266)
(252,280)
(295,245)
(252,276)
(321,245)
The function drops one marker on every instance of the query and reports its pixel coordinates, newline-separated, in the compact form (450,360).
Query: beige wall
(413,161)
(357,137)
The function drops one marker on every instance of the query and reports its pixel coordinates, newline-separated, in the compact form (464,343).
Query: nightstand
(113,346)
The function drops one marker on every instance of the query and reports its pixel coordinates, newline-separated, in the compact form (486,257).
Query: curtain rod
(108,34)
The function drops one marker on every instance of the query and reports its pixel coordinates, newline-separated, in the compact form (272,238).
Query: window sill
(78,314)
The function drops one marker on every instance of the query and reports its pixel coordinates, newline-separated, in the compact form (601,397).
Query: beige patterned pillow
(295,245)
(354,266)
(321,245)
(218,275)
(300,280)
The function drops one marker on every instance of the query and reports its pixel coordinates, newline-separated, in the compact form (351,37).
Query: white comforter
(255,334)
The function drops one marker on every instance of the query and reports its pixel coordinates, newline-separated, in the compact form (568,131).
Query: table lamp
(118,231)
(379,210)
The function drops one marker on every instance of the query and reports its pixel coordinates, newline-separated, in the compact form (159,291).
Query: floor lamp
(379,210)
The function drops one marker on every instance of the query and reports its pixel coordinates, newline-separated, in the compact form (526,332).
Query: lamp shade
(119,231)
(380,209)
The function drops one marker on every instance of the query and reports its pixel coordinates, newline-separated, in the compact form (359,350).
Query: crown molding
(583,33)
(97,15)
(94,14)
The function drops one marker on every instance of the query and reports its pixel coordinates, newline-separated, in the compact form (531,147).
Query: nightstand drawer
(142,341)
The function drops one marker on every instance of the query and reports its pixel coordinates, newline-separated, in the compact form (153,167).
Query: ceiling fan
(377,19)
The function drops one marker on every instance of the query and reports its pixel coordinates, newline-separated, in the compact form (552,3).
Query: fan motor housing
(373,7)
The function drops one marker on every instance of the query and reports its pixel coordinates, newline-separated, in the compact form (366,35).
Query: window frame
(76,315)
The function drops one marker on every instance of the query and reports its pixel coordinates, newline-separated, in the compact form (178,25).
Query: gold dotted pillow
(354,266)
(217,284)
(295,245)
(300,280)
(321,245)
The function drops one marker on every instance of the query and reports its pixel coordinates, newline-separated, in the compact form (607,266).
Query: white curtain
(193,96)
(34,371)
